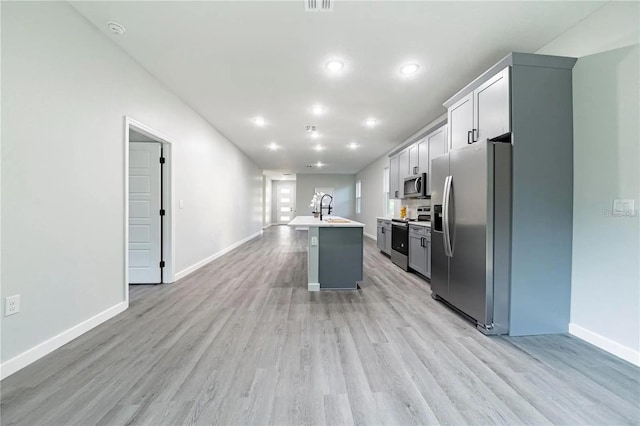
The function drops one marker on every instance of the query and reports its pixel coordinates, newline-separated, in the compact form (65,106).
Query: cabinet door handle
(469,137)
(474,137)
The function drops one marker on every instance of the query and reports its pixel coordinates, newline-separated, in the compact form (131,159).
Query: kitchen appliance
(416,186)
(400,242)
(471,232)
(424,213)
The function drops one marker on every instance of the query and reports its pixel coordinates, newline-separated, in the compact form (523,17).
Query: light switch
(181,204)
(314,241)
(623,207)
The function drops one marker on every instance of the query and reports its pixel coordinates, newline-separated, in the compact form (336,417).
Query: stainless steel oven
(400,243)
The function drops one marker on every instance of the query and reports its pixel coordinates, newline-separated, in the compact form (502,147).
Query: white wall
(65,91)
(344,199)
(605,297)
(605,284)
(267,191)
(372,195)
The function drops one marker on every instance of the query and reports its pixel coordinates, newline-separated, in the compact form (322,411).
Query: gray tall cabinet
(530,97)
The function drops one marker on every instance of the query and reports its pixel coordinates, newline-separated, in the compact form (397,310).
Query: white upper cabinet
(423,156)
(491,107)
(403,167)
(482,114)
(394,182)
(460,119)
(437,142)
(414,161)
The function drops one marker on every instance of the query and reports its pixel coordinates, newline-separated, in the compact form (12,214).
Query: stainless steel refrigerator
(471,232)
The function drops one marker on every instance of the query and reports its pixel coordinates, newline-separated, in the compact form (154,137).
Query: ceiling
(234,60)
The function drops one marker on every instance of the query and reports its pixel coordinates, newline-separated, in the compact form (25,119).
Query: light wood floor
(241,341)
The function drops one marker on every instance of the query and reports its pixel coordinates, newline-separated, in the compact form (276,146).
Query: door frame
(168,227)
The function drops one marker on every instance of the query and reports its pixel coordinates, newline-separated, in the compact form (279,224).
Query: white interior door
(285,202)
(144,213)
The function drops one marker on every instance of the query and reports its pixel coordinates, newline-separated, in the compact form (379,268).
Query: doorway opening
(149,248)
(285,200)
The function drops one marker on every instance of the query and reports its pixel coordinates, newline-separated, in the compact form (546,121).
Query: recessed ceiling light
(115,28)
(273,146)
(352,145)
(335,66)
(315,135)
(319,164)
(409,69)
(259,121)
(318,147)
(317,110)
(370,122)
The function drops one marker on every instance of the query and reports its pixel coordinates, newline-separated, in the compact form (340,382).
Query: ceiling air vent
(318,5)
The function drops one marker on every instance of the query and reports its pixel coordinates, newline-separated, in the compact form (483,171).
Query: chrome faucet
(322,207)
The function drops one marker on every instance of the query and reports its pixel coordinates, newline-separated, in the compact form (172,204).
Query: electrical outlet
(12,305)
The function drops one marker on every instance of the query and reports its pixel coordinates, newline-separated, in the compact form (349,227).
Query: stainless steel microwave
(416,186)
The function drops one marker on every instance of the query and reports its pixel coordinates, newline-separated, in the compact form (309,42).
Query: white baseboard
(373,237)
(313,286)
(213,257)
(604,343)
(20,361)
(267,226)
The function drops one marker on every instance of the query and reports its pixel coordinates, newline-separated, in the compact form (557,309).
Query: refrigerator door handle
(450,226)
(445,222)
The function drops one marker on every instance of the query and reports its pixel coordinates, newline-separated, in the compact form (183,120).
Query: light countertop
(310,221)
(421,223)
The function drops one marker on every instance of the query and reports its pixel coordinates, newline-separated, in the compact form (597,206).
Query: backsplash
(411,205)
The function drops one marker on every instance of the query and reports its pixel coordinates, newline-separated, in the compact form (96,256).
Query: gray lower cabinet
(419,250)
(387,237)
(380,237)
(428,247)
(383,236)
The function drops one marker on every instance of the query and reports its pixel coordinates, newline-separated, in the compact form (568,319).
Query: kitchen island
(335,252)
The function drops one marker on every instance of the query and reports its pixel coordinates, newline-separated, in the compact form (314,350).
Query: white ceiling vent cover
(318,5)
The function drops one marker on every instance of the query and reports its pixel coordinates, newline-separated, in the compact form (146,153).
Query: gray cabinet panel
(428,249)
(387,237)
(380,237)
(418,249)
(340,258)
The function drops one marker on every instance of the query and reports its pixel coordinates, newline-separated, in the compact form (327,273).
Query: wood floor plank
(242,342)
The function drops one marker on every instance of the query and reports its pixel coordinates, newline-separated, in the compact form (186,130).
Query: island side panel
(312,261)
(340,258)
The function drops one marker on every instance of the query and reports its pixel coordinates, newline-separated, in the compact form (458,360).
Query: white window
(358,197)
